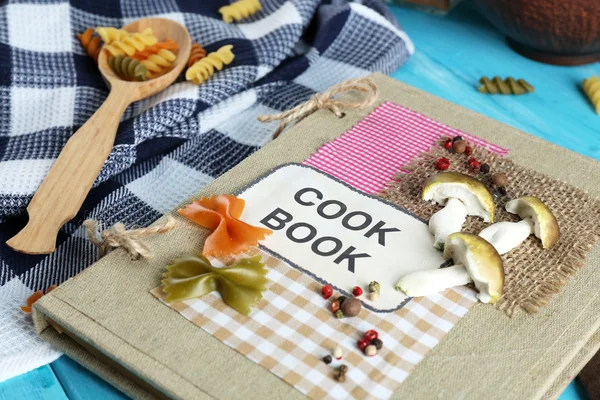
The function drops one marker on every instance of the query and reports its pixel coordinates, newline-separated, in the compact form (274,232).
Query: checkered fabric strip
(369,154)
(167,146)
(291,330)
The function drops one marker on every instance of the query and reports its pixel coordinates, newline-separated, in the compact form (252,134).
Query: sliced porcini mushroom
(431,281)
(475,260)
(461,195)
(537,219)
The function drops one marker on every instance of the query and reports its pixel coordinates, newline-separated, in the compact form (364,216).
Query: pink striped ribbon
(368,155)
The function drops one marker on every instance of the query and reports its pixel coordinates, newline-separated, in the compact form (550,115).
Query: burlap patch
(533,274)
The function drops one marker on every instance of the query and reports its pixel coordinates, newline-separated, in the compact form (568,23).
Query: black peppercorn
(485,168)
(499,192)
(377,343)
(327,359)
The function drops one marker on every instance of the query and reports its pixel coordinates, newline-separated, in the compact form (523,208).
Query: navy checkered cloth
(168,146)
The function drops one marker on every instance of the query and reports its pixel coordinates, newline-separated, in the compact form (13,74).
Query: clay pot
(563,32)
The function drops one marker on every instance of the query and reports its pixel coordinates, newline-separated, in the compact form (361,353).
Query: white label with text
(338,234)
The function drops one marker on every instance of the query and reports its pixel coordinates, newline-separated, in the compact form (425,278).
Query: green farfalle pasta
(128,68)
(506,86)
(240,284)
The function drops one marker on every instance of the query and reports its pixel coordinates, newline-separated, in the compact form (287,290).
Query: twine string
(130,240)
(326,101)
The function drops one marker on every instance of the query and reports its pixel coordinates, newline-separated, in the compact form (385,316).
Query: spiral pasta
(196,54)
(148,51)
(507,86)
(90,44)
(205,68)
(128,68)
(157,63)
(131,43)
(591,87)
(239,10)
(109,34)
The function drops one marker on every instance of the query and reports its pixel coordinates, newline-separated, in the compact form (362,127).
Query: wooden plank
(39,384)
(574,392)
(81,384)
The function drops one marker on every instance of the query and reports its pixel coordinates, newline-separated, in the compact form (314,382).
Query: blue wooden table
(453,52)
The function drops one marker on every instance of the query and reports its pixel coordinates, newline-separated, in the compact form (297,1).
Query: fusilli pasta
(148,51)
(196,54)
(131,43)
(239,10)
(109,34)
(205,68)
(157,63)
(90,44)
(128,68)
(507,86)
(591,87)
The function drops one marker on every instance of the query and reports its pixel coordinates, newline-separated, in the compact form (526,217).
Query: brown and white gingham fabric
(292,329)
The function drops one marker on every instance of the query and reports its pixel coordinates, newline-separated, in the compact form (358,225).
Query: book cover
(109,318)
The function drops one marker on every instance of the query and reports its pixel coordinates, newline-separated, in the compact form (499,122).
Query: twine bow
(118,236)
(326,101)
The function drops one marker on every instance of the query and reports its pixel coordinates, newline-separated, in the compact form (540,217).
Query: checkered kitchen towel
(167,146)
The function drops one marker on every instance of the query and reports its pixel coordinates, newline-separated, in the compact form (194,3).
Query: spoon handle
(61,194)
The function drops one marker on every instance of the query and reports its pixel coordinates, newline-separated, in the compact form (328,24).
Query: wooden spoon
(61,194)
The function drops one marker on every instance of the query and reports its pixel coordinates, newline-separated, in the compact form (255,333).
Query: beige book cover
(109,317)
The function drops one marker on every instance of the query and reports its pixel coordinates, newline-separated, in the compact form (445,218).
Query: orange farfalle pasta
(196,54)
(35,297)
(90,44)
(169,44)
(221,214)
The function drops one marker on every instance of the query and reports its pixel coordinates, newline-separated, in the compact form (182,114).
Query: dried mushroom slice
(461,195)
(482,262)
(475,260)
(537,219)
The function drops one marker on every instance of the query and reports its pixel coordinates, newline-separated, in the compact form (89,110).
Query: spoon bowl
(162,29)
(61,194)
